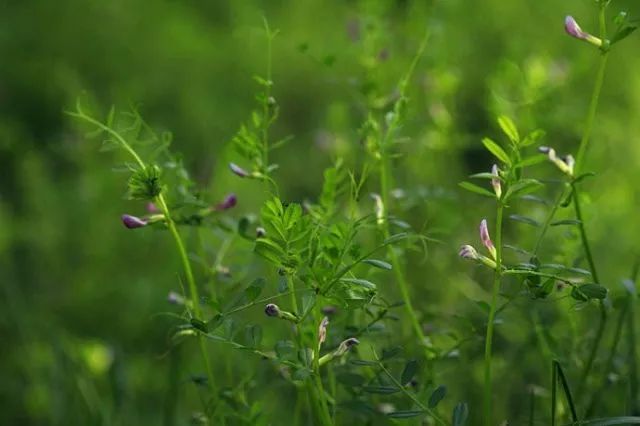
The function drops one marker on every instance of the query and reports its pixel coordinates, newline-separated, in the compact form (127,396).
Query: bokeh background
(80,342)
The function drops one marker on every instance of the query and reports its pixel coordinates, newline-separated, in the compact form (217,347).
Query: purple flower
(468,252)
(238,170)
(229,201)
(132,222)
(272,310)
(486,239)
(152,208)
(573,29)
(495,182)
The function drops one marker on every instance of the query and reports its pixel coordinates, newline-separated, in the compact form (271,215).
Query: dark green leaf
(566,222)
(253,335)
(383,390)
(378,264)
(477,189)
(524,219)
(406,414)
(437,395)
(391,352)
(285,349)
(351,379)
(360,282)
(460,414)
(496,150)
(253,291)
(410,370)
(199,325)
(593,291)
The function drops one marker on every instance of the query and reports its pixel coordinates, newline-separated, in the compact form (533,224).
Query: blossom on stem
(229,201)
(260,232)
(566,164)
(468,252)
(379,208)
(133,222)
(573,29)
(486,239)
(495,182)
(238,170)
(152,208)
(322,330)
(272,310)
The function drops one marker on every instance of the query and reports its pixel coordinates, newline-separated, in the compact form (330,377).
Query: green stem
(193,289)
(548,220)
(492,313)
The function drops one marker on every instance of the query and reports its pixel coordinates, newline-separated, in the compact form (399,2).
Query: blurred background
(80,340)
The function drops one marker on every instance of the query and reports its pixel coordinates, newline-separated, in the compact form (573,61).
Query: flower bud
(486,239)
(468,252)
(573,29)
(565,165)
(272,310)
(133,222)
(379,208)
(346,345)
(229,201)
(152,208)
(238,170)
(260,232)
(495,182)
(175,299)
(322,330)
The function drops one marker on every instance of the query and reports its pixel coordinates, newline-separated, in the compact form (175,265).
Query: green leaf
(565,222)
(533,137)
(477,189)
(253,335)
(509,128)
(255,289)
(360,282)
(524,219)
(199,325)
(352,380)
(437,395)
(407,414)
(410,370)
(485,175)
(592,291)
(610,421)
(285,349)
(496,150)
(525,186)
(391,352)
(378,264)
(460,414)
(395,238)
(382,390)
(623,33)
(215,322)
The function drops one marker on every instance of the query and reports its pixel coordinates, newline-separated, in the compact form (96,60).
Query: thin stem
(548,220)
(193,289)
(492,313)
(593,107)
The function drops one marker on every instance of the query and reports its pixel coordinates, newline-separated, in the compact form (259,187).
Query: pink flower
(229,201)
(486,239)
(322,330)
(573,29)
(468,252)
(238,170)
(133,222)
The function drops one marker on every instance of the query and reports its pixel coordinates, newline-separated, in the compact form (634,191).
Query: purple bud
(346,345)
(132,222)
(260,232)
(573,29)
(486,239)
(468,252)
(229,201)
(322,330)
(272,310)
(329,310)
(238,170)
(174,298)
(152,208)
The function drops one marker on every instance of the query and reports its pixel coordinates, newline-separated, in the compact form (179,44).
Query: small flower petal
(133,222)
(238,170)
(229,201)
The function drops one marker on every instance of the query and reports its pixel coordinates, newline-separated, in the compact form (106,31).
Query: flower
(566,164)
(229,201)
(272,310)
(486,239)
(238,170)
(133,222)
(152,208)
(573,29)
(175,299)
(346,345)
(468,252)
(495,182)
(379,208)
(260,232)
(322,330)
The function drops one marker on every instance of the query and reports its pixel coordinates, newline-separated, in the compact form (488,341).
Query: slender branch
(492,313)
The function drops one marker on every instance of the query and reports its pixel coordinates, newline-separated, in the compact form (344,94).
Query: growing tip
(238,170)
(133,222)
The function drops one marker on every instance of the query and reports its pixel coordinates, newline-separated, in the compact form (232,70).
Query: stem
(193,289)
(492,313)
(547,222)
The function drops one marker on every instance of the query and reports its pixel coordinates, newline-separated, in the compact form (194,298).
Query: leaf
(477,189)
(592,291)
(390,352)
(253,291)
(285,349)
(610,421)
(351,379)
(533,137)
(485,175)
(382,390)
(395,238)
(460,414)
(437,395)
(496,150)
(531,161)
(360,282)
(308,302)
(215,322)
(378,264)
(565,222)
(199,325)
(525,186)
(623,33)
(407,414)
(410,370)
(524,219)
(509,128)
(253,335)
